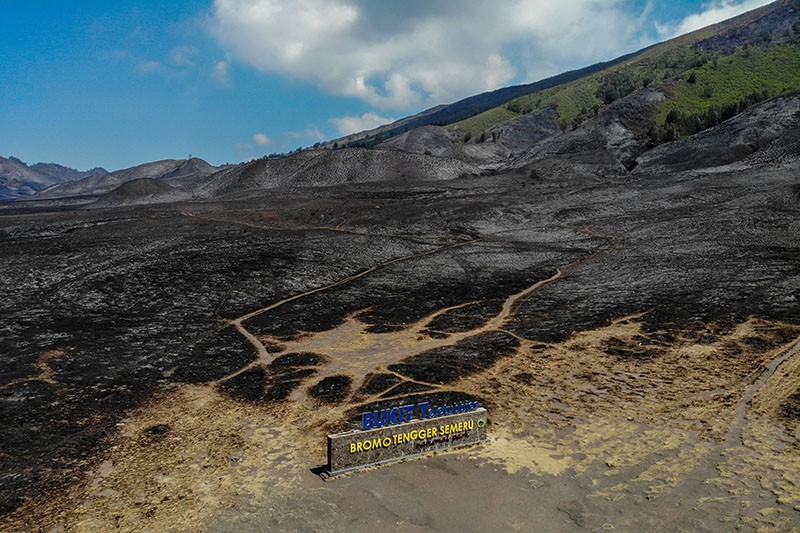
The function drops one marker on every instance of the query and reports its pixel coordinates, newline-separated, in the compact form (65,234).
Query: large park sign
(400,432)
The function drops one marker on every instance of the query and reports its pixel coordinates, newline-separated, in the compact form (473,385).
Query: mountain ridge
(444,114)
(18,179)
(178,172)
(762,28)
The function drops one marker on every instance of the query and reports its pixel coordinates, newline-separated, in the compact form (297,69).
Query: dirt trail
(707,465)
(351,350)
(735,434)
(264,357)
(410,336)
(354,277)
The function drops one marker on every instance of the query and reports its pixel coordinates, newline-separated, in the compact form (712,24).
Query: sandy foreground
(613,429)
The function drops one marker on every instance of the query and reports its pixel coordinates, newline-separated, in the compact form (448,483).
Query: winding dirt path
(353,351)
(495,324)
(261,351)
(734,436)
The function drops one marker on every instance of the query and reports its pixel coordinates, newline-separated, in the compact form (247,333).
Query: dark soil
(331,390)
(450,363)
(791,409)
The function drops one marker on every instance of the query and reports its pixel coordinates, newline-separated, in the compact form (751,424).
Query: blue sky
(117,83)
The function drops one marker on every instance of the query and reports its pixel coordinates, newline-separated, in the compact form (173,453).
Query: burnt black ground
(103,308)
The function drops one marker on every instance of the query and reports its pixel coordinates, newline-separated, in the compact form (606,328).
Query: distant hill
(18,179)
(323,168)
(64,174)
(175,172)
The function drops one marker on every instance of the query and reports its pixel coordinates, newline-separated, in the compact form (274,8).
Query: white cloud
(260,139)
(711,14)
(182,55)
(401,55)
(312,132)
(221,72)
(149,66)
(352,124)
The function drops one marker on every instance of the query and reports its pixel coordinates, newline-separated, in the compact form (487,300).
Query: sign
(399,415)
(396,435)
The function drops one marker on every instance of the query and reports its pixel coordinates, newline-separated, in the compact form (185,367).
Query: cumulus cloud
(711,14)
(260,139)
(400,55)
(354,124)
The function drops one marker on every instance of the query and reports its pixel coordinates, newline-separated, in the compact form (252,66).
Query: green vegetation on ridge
(707,79)
(579,97)
(723,88)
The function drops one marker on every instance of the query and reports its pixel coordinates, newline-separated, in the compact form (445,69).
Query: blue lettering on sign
(401,415)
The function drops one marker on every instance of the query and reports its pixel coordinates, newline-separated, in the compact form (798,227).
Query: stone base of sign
(359,449)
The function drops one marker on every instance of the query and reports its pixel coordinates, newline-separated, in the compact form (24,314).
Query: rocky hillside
(766,135)
(613,144)
(322,168)
(506,141)
(63,174)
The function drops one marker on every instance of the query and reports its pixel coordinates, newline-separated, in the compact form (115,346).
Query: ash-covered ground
(551,294)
